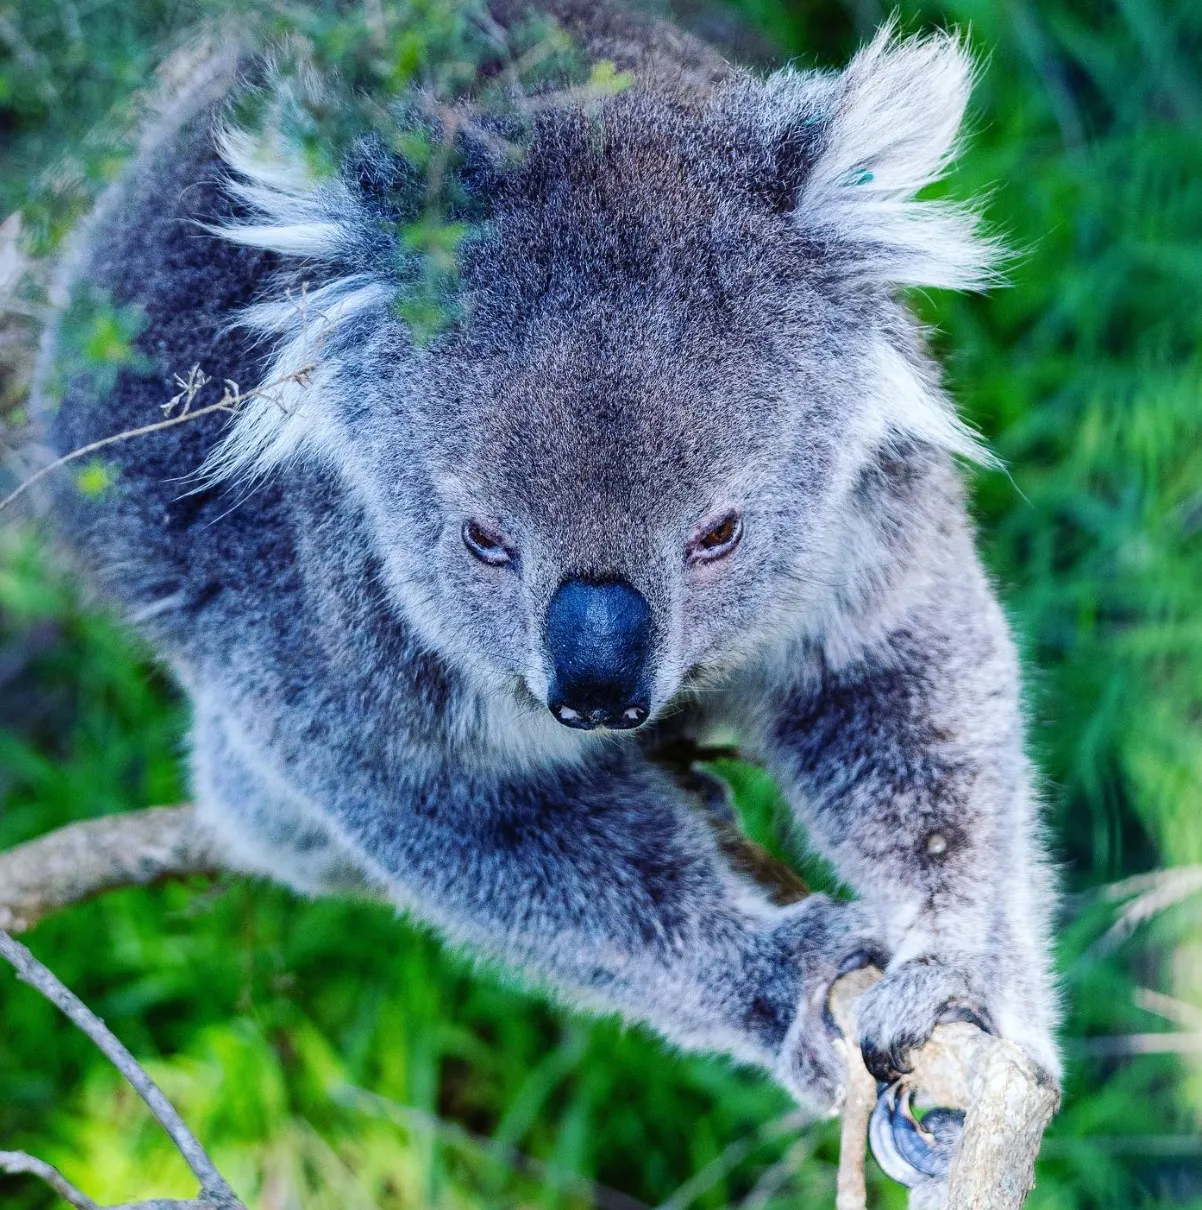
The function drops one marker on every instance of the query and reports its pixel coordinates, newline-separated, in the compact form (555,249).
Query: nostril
(587,718)
(573,718)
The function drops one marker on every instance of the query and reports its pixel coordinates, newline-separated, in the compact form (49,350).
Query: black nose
(598,637)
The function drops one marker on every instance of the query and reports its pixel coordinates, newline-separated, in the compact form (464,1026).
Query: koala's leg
(265,825)
(903,754)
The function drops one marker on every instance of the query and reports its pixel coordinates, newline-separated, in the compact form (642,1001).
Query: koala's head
(626,465)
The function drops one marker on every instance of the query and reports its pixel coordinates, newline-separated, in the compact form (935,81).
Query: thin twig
(215,1191)
(851,1193)
(17,1163)
(20,1163)
(227,403)
(93,446)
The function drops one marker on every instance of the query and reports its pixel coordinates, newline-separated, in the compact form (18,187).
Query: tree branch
(83,859)
(17,1163)
(215,1194)
(860,1095)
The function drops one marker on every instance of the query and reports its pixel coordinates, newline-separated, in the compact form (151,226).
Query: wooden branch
(84,859)
(1007,1099)
(859,1098)
(17,1163)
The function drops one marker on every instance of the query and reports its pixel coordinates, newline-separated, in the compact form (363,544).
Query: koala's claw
(828,939)
(909,1150)
(868,954)
(898,1014)
(889,1063)
(973,1014)
(858,959)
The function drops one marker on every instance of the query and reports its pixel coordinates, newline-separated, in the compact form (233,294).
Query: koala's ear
(874,136)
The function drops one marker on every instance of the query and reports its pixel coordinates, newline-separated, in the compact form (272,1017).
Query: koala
(679,464)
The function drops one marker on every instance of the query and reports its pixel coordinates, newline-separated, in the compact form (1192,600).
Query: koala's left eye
(716,539)
(487,546)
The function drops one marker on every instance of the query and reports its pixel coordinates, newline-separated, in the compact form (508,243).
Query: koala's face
(629,445)
(614,520)
(634,460)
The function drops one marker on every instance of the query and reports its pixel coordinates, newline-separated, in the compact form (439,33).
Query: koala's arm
(898,737)
(607,886)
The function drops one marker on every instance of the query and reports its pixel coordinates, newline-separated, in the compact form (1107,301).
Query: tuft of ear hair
(884,129)
(290,213)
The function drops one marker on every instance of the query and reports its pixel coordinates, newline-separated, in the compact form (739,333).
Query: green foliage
(332,1055)
(96,340)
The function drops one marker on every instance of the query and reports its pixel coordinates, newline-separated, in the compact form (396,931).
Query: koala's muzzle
(598,637)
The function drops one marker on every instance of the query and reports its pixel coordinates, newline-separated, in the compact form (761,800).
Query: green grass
(333,1056)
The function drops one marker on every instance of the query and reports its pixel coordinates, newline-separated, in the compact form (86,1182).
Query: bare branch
(1007,1100)
(215,1193)
(16,1163)
(83,859)
(859,1096)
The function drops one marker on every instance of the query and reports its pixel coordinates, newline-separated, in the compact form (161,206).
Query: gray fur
(683,302)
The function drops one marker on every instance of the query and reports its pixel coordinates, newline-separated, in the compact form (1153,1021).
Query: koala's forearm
(906,762)
(602,884)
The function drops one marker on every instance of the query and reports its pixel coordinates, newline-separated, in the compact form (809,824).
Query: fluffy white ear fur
(889,125)
(293,215)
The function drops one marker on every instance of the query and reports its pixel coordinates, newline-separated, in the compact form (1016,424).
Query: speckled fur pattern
(683,302)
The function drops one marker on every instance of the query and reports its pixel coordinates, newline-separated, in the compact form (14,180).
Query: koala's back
(148,537)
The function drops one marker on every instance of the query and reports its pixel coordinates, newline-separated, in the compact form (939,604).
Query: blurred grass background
(331,1056)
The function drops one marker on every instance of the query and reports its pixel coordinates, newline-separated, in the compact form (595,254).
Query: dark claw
(857,960)
(889,1062)
(973,1014)
(866,955)
(908,1150)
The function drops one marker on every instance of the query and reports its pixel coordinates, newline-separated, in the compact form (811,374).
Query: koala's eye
(485,545)
(716,539)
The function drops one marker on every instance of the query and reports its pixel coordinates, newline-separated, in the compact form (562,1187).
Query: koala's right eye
(486,545)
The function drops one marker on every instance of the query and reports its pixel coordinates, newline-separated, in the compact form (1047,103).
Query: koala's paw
(898,1014)
(827,940)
